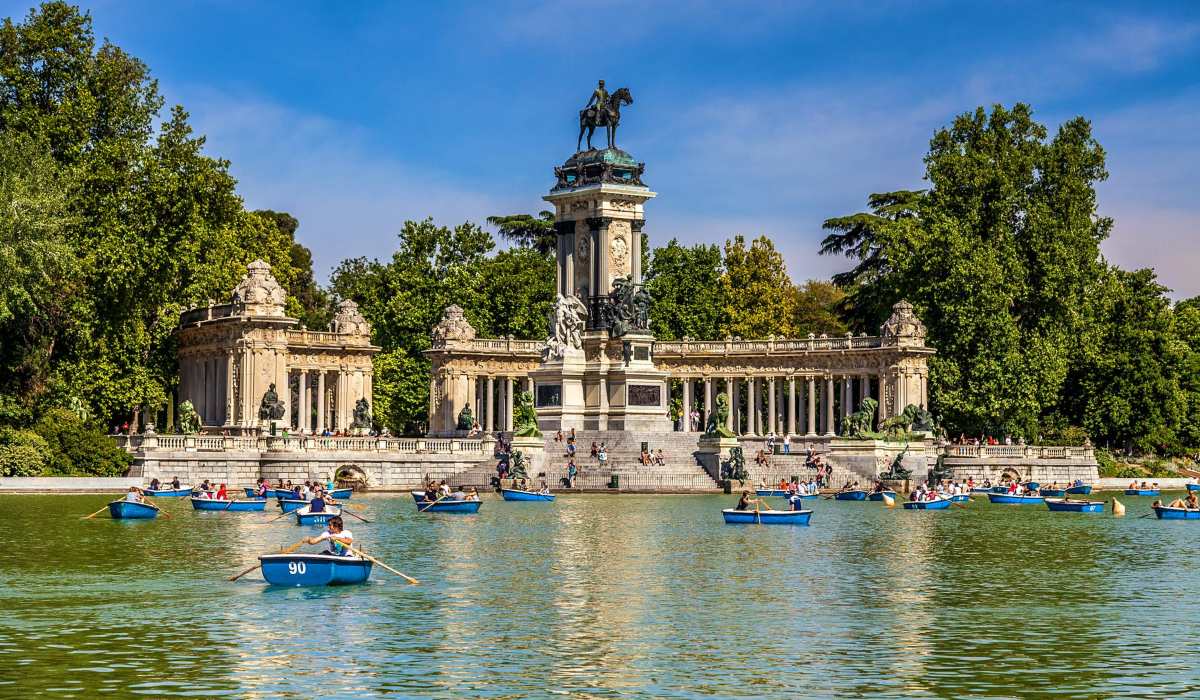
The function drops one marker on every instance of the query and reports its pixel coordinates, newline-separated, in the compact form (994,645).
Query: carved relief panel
(619,235)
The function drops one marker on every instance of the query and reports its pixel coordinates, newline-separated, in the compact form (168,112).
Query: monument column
(751,404)
(635,255)
(491,404)
(772,422)
(791,412)
(509,386)
(812,407)
(229,397)
(729,402)
(598,225)
(829,419)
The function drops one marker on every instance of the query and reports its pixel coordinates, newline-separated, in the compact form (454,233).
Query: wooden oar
(422,510)
(157,507)
(277,517)
(283,550)
(757,517)
(364,555)
(89,517)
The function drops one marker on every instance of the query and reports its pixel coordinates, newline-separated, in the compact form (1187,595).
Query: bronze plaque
(645,395)
(549,395)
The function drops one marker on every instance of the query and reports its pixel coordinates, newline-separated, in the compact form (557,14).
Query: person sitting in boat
(205,486)
(261,491)
(340,540)
(1192,503)
(987,483)
(745,501)
(795,502)
(154,484)
(222,494)
(316,504)
(472,494)
(135,495)
(1078,482)
(175,483)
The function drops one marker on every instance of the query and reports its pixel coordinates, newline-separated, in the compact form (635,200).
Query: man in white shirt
(339,540)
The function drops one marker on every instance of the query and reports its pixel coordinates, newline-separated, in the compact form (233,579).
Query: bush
(1108,466)
(79,449)
(22,453)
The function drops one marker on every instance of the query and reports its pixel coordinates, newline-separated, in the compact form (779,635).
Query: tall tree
(528,231)
(307,301)
(760,299)
(818,305)
(685,284)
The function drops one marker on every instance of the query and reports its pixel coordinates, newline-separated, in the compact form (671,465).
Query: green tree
(760,299)
(306,300)
(685,284)
(527,231)
(818,306)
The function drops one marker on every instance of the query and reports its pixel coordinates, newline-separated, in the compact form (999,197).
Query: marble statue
(567,319)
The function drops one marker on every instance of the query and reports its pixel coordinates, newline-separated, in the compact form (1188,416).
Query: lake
(605,596)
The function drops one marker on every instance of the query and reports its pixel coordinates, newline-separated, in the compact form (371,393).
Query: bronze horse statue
(609,117)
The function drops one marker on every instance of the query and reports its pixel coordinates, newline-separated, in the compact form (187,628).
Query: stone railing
(297,443)
(764,347)
(493,345)
(300,338)
(1020,452)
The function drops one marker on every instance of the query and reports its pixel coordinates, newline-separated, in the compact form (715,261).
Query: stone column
(791,411)
(303,425)
(772,422)
(829,419)
(491,404)
(751,404)
(599,230)
(509,385)
(708,399)
(320,401)
(729,401)
(687,404)
(227,404)
(635,255)
(812,407)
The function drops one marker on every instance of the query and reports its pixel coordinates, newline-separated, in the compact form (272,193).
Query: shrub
(1107,465)
(22,453)
(78,448)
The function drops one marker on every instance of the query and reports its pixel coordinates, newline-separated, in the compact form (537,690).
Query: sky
(752,117)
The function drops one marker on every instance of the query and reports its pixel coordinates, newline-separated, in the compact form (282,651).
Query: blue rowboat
(776,493)
(269,493)
(287,505)
(960,498)
(1168,513)
(1055,493)
(518,495)
(445,505)
(1015,500)
(169,493)
(1141,492)
(1079,490)
(341,494)
(306,517)
(236,505)
(939,504)
(767,517)
(1032,486)
(999,489)
(1067,506)
(313,569)
(1193,487)
(855,495)
(878,495)
(981,489)
(128,510)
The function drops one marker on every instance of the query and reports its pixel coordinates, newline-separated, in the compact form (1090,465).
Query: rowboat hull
(851,495)
(305,517)
(288,505)
(1052,493)
(960,498)
(1193,487)
(1032,486)
(766,517)
(128,510)
(1167,513)
(940,504)
(169,493)
(518,495)
(981,489)
(313,569)
(241,506)
(1079,490)
(878,495)
(444,505)
(341,494)
(1005,499)
(1141,492)
(774,493)
(1064,506)
(269,493)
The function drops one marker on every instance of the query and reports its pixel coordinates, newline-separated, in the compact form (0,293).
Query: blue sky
(752,117)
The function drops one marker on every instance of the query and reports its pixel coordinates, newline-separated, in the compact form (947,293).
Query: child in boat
(340,540)
(135,495)
(472,494)
(222,494)
(317,504)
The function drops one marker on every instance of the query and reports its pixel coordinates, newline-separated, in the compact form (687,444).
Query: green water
(602,596)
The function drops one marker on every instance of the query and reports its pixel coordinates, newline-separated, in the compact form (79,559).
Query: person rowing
(340,539)
(175,483)
(154,484)
(135,495)
(745,501)
(1190,503)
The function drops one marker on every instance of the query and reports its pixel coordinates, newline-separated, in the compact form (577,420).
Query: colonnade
(495,400)
(324,399)
(206,379)
(811,404)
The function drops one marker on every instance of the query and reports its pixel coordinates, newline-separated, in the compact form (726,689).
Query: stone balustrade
(769,346)
(297,443)
(1021,452)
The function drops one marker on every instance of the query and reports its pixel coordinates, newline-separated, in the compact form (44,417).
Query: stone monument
(597,373)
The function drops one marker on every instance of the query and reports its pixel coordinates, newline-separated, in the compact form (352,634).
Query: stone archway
(351,476)
(1010,474)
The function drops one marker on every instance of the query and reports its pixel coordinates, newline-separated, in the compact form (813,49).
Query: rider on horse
(600,99)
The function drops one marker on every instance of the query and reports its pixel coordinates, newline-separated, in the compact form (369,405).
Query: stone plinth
(638,392)
(558,392)
(713,452)
(869,458)
(534,449)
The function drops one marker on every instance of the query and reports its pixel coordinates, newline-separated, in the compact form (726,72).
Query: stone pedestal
(638,392)
(534,449)
(869,458)
(558,392)
(713,452)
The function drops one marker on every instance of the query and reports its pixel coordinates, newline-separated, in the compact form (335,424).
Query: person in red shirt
(222,495)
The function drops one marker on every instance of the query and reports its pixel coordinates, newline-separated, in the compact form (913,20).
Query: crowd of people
(441,490)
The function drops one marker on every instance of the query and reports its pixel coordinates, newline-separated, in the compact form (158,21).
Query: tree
(760,299)
(685,284)
(307,301)
(527,231)
(817,308)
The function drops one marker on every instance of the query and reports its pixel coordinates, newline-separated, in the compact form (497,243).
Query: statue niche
(272,408)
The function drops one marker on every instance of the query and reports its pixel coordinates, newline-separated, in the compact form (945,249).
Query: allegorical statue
(188,420)
(525,417)
(566,319)
(604,110)
(271,408)
(627,309)
(716,419)
(362,414)
(465,419)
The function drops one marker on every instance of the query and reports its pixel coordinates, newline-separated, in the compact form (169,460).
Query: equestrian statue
(604,110)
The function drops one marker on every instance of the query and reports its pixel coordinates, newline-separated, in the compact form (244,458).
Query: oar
(422,510)
(89,517)
(347,512)
(284,550)
(157,507)
(277,517)
(364,555)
